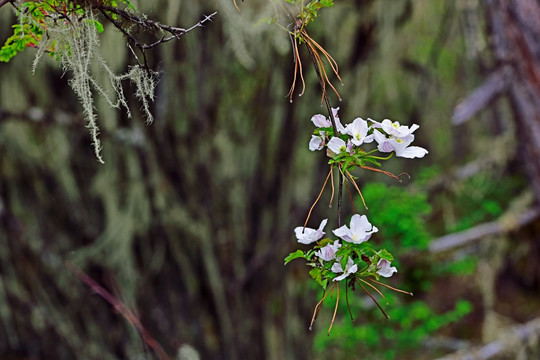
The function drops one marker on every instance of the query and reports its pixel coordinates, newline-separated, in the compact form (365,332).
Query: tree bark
(514,27)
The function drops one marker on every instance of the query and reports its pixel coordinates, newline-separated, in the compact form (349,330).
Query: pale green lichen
(75,45)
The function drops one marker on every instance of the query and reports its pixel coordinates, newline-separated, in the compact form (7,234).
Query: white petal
(385,269)
(336,268)
(369,139)
(374,124)
(385,146)
(320,121)
(316,143)
(379,137)
(335,144)
(343,232)
(306,236)
(412,152)
(413,128)
(322,225)
(353,269)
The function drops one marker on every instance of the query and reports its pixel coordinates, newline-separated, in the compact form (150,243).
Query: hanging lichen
(75,44)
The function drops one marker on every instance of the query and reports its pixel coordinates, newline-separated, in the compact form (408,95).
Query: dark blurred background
(189,219)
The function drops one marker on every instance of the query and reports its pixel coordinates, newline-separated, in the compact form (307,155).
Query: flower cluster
(391,137)
(351,257)
(350,254)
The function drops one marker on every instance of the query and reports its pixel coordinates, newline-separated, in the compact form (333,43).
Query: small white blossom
(350,268)
(328,253)
(308,235)
(397,130)
(399,145)
(359,232)
(320,121)
(350,147)
(358,130)
(336,145)
(384,268)
(317,142)
(339,126)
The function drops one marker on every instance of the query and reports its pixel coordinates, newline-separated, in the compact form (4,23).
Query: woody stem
(334,127)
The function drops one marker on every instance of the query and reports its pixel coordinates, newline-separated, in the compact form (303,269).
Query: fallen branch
(513,340)
(461,238)
(480,98)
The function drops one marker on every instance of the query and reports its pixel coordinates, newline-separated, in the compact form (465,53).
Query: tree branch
(451,241)
(150,25)
(4,2)
(512,340)
(494,86)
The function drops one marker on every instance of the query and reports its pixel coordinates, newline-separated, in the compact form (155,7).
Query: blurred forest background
(189,219)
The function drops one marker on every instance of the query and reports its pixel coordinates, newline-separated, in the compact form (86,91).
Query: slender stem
(334,127)
(372,298)
(319,304)
(121,308)
(390,287)
(317,200)
(347,298)
(335,311)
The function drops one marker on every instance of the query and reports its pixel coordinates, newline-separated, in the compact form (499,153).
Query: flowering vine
(351,258)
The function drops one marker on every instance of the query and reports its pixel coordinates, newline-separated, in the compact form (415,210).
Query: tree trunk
(514,31)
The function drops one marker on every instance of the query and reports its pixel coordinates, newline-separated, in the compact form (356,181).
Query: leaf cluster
(310,11)
(363,255)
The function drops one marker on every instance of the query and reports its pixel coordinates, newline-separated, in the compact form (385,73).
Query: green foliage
(311,10)
(23,36)
(399,215)
(295,255)
(408,326)
(483,198)
(463,266)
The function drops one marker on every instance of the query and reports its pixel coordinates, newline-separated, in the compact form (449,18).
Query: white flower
(328,253)
(336,145)
(399,145)
(308,235)
(397,130)
(350,268)
(320,121)
(360,231)
(358,129)
(350,146)
(340,128)
(317,142)
(385,269)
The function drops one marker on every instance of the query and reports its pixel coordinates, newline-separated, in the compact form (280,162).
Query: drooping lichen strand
(75,45)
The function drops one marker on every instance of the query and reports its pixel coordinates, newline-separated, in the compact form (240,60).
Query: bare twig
(152,25)
(121,308)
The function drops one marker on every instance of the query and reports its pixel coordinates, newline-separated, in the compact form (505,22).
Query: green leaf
(97,25)
(372,160)
(316,274)
(295,255)
(384,254)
